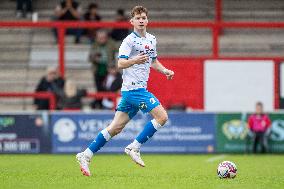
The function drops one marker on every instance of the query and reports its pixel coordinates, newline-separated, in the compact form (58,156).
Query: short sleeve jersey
(136,76)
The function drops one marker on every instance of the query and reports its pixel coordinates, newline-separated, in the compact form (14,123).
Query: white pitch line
(215,158)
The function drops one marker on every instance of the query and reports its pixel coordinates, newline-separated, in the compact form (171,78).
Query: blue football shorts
(134,100)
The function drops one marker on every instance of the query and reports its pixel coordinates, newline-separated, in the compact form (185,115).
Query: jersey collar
(135,33)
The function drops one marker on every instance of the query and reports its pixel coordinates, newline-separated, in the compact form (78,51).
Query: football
(227,169)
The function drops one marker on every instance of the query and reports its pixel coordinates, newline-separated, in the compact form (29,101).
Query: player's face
(139,21)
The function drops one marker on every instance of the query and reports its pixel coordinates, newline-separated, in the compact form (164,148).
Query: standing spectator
(93,16)
(112,83)
(259,124)
(69,10)
(118,34)
(102,55)
(24,8)
(71,98)
(49,83)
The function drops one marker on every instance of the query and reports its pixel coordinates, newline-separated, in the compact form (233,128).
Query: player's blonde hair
(138,10)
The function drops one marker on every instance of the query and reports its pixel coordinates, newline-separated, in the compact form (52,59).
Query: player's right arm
(126,63)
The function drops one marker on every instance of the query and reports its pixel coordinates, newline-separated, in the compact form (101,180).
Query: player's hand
(169,73)
(141,58)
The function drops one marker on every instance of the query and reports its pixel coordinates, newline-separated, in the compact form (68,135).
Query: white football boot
(84,162)
(134,153)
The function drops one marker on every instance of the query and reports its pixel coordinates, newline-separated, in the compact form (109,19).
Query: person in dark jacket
(113,80)
(24,8)
(112,83)
(69,10)
(49,83)
(118,34)
(92,15)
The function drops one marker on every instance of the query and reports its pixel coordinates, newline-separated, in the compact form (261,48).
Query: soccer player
(137,54)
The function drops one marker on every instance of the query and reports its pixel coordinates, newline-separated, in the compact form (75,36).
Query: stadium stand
(25,52)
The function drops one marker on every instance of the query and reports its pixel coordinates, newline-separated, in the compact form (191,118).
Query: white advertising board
(236,85)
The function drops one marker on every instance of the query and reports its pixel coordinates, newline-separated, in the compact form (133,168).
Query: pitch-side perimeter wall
(184,133)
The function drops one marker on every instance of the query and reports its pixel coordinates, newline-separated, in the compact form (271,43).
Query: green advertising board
(232,133)
(276,138)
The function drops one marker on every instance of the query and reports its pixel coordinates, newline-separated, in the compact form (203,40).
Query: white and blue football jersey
(136,76)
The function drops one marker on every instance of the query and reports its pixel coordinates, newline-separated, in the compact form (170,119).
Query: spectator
(118,34)
(258,125)
(92,15)
(49,83)
(112,83)
(71,98)
(24,8)
(69,10)
(102,55)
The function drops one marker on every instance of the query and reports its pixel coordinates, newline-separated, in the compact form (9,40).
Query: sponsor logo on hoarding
(6,122)
(24,133)
(20,146)
(65,129)
(277,130)
(184,133)
(235,129)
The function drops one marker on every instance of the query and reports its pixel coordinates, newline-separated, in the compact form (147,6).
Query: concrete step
(114,4)
(253,4)
(8,4)
(7,105)
(6,73)
(14,56)
(11,64)
(14,38)
(15,31)
(253,39)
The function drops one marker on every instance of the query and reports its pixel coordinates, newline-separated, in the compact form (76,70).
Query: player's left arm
(156,65)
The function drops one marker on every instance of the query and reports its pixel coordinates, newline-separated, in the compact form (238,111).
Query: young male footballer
(137,54)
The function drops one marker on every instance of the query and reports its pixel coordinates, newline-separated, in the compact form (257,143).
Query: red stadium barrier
(52,99)
(40,95)
(110,95)
(214,26)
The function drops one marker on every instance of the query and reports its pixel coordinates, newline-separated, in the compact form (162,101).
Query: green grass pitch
(161,171)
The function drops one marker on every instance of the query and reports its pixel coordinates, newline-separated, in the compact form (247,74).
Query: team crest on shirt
(149,50)
(142,106)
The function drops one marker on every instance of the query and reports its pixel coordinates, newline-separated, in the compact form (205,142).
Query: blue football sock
(148,131)
(100,141)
